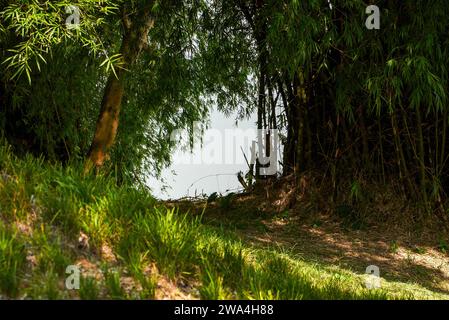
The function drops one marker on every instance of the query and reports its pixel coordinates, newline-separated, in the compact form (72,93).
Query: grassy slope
(44,209)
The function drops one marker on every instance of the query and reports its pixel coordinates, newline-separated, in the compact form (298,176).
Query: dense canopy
(358,102)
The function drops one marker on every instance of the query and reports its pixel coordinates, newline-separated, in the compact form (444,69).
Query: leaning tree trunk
(135,39)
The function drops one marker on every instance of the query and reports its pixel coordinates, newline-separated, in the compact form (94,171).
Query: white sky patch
(212,167)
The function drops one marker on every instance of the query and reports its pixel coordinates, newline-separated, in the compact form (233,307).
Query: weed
(170,239)
(89,289)
(443,246)
(394,247)
(12,258)
(112,282)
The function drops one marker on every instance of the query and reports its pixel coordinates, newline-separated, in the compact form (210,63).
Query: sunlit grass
(12,258)
(57,203)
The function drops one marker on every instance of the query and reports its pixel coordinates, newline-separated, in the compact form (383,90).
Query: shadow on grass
(334,250)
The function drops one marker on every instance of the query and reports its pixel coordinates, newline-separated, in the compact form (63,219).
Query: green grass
(113,285)
(89,288)
(168,238)
(57,203)
(12,258)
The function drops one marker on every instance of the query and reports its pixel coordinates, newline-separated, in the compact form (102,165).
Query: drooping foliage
(50,79)
(350,102)
(354,102)
(50,108)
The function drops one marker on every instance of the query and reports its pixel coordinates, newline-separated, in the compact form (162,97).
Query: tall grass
(12,258)
(57,203)
(170,239)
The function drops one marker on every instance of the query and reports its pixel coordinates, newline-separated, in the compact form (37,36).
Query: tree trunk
(135,39)
(291,144)
(421,156)
(107,122)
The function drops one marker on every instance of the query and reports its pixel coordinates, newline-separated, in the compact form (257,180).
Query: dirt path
(400,255)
